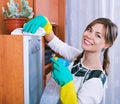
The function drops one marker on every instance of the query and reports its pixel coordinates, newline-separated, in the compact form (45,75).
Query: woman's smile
(87,42)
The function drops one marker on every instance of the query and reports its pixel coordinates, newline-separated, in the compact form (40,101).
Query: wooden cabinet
(11,70)
(13,79)
(21,69)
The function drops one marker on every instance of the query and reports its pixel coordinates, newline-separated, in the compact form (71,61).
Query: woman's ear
(107,45)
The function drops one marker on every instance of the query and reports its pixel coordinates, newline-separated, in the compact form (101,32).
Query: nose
(90,35)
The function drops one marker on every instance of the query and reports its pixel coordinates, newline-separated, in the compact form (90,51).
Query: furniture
(21,69)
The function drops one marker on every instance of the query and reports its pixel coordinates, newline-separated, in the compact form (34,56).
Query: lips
(87,42)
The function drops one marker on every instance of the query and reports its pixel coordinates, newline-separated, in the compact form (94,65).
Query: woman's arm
(49,37)
(62,75)
(60,47)
(57,45)
(68,94)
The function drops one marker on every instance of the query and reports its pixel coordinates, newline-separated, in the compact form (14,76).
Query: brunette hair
(110,37)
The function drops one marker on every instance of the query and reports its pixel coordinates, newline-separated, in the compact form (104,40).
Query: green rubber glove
(61,74)
(39,21)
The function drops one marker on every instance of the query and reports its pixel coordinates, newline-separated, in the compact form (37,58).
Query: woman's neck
(92,60)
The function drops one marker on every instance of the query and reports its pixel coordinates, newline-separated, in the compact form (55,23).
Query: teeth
(88,43)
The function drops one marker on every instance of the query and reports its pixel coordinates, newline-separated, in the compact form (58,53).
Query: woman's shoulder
(99,74)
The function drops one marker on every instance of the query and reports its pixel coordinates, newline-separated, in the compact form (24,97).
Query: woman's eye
(98,36)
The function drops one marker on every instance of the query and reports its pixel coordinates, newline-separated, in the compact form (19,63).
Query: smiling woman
(84,12)
(85,72)
(92,44)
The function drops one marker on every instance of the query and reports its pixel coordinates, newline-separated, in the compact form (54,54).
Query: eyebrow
(96,31)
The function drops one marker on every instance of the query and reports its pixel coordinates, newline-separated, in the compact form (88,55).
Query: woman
(83,82)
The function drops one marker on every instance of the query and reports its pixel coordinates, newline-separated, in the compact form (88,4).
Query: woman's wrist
(49,37)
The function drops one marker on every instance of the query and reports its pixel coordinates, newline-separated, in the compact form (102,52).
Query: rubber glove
(68,94)
(63,77)
(39,21)
(63,61)
(61,74)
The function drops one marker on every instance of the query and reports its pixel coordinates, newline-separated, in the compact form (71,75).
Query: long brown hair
(110,37)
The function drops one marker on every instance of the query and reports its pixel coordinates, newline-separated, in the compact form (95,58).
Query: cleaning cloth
(19,31)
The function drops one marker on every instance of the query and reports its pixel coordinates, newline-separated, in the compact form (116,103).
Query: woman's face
(93,38)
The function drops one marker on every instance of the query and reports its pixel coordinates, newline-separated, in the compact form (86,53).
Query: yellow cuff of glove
(48,27)
(68,94)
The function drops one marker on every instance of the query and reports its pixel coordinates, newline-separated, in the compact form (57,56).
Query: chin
(86,48)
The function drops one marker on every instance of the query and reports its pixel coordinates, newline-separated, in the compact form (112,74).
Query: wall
(49,8)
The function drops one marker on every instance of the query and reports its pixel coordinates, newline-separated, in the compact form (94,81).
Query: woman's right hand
(61,74)
(39,21)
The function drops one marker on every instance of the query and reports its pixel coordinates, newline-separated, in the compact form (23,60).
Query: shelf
(48,68)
